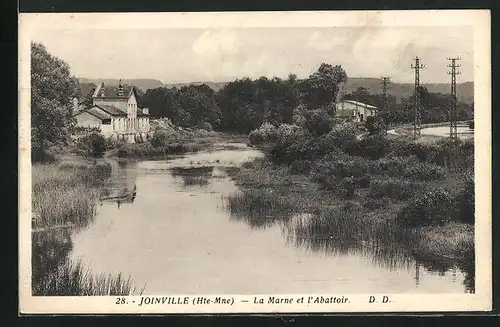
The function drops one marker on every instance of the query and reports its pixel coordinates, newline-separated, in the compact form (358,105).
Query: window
(106,121)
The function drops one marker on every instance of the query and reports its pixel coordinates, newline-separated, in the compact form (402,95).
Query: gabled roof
(361,104)
(112,110)
(94,113)
(112,92)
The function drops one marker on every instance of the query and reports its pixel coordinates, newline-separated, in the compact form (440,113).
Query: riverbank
(163,144)
(64,200)
(357,193)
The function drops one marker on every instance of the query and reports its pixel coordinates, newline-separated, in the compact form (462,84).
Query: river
(164,223)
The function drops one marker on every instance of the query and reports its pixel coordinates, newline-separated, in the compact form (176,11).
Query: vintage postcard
(255,162)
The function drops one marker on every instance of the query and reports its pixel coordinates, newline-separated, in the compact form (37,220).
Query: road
(463,132)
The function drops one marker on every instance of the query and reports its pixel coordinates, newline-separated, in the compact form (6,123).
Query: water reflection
(343,230)
(186,238)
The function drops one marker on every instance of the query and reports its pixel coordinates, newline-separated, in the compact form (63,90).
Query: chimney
(145,111)
(120,88)
(102,90)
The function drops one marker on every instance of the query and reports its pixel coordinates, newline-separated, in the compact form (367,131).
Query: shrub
(348,187)
(342,135)
(159,138)
(300,167)
(466,199)
(265,133)
(92,144)
(374,125)
(205,126)
(290,140)
(317,121)
(373,147)
(391,166)
(393,189)
(363,181)
(435,207)
(424,171)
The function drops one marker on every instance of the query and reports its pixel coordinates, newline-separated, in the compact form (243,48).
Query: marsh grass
(74,279)
(66,194)
(64,200)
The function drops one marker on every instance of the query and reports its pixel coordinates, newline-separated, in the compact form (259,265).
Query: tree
(321,88)
(52,89)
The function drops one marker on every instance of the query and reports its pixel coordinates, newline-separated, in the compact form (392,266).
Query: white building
(115,113)
(357,111)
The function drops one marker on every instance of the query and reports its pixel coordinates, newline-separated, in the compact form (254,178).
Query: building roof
(361,104)
(95,113)
(112,110)
(140,112)
(113,92)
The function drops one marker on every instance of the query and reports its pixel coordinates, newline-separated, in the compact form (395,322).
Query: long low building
(355,110)
(115,113)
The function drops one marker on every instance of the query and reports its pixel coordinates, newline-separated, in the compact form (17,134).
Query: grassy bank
(162,144)
(392,197)
(64,199)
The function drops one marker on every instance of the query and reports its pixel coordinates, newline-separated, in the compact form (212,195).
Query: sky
(220,55)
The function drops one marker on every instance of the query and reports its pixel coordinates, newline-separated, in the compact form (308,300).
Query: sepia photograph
(255,162)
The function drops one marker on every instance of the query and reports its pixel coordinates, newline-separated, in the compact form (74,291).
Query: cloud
(215,43)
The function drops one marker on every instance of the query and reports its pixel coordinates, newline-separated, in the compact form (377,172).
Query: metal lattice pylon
(416,105)
(453,108)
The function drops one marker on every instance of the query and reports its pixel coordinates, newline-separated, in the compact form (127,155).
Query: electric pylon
(453,108)
(385,101)
(416,105)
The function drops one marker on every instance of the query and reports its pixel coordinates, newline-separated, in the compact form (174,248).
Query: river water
(164,223)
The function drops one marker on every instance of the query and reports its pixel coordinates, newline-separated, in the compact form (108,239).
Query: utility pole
(385,101)
(417,121)
(453,107)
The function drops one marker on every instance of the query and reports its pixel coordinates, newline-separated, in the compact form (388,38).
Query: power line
(453,107)
(416,106)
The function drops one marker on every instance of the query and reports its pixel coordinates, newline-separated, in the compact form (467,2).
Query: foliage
(265,133)
(393,188)
(424,171)
(374,125)
(92,144)
(52,88)
(435,207)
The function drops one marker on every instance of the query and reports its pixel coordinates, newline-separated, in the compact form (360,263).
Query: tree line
(240,106)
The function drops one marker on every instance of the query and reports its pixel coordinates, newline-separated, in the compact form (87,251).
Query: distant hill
(465,91)
(216,86)
(141,83)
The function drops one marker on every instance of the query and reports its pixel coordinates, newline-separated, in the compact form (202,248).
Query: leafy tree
(321,88)
(52,89)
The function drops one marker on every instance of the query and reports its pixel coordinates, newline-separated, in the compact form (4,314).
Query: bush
(363,181)
(466,199)
(205,126)
(290,140)
(342,135)
(300,167)
(348,187)
(159,138)
(265,133)
(92,144)
(392,166)
(317,121)
(424,171)
(435,207)
(373,147)
(393,189)
(374,125)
